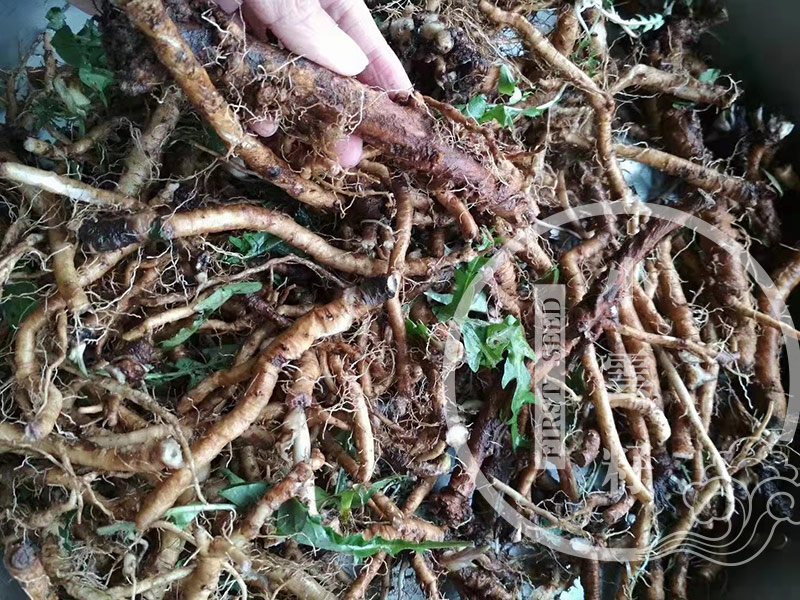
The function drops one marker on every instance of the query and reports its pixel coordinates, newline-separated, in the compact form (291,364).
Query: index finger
(384,70)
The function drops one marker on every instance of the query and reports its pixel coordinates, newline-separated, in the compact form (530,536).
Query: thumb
(306,29)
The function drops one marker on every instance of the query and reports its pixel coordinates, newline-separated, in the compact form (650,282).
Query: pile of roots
(234,369)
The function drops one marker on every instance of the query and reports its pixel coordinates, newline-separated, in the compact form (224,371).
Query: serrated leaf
(464,284)
(56,18)
(501,114)
(215,359)
(184,333)
(221,295)
(295,522)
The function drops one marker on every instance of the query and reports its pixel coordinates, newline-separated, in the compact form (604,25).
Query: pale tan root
(554,520)
(640,350)
(286,489)
(768,345)
(699,176)
(324,321)
(300,396)
(164,318)
(769,321)
(15,254)
(146,435)
(601,102)
(147,149)
(247,217)
(680,85)
(659,425)
(426,577)
(646,310)
(220,379)
(368,573)
(678,343)
(362,424)
(697,423)
(13,440)
(151,18)
(608,429)
(572,261)
(43,422)
(64,271)
(397,259)
(567,30)
(25,361)
(397,321)
(453,205)
(64,186)
(24,564)
(205,577)
(164,560)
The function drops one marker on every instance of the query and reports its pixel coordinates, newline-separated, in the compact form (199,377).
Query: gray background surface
(759,45)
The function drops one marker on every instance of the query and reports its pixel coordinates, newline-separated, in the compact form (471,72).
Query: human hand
(337,34)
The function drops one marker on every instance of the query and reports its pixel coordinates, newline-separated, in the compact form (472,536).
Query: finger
(348,151)
(263,127)
(306,29)
(229,6)
(385,70)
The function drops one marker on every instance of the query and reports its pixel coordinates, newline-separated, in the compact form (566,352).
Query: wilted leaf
(295,522)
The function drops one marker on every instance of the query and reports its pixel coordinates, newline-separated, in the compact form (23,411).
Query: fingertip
(348,151)
(387,74)
(319,39)
(264,127)
(229,6)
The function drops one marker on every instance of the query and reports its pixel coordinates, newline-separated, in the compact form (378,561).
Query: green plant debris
(417,330)
(294,522)
(207,306)
(83,50)
(488,344)
(19,300)
(214,359)
(505,113)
